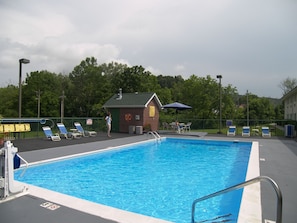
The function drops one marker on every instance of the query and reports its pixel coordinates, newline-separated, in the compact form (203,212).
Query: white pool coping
(250,208)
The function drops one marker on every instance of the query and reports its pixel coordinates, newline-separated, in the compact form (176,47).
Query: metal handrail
(29,120)
(26,163)
(241,185)
(155,134)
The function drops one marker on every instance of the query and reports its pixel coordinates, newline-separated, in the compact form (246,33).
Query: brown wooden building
(131,111)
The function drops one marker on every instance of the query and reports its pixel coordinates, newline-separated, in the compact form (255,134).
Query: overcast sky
(251,43)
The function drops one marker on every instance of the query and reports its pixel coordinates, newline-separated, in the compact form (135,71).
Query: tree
(9,101)
(90,85)
(89,88)
(198,92)
(229,98)
(288,84)
(51,86)
(112,71)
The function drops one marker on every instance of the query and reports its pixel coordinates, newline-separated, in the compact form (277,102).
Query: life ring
(128,117)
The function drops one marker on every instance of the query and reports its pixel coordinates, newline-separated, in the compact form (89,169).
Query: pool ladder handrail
(26,163)
(241,185)
(155,134)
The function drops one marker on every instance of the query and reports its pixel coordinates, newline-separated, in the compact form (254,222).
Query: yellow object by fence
(7,128)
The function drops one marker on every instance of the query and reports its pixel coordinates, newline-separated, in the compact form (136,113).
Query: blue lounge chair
(49,134)
(266,132)
(246,131)
(67,135)
(231,130)
(83,132)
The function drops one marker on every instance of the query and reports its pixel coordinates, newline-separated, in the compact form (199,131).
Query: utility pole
(62,105)
(247,109)
(38,93)
(220,98)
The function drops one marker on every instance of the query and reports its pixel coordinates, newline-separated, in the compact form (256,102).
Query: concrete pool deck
(278,161)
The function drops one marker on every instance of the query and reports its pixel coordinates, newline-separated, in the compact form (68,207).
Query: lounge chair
(266,132)
(67,135)
(246,131)
(83,132)
(49,134)
(231,130)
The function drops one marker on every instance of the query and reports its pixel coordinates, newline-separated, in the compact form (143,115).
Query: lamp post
(220,95)
(22,61)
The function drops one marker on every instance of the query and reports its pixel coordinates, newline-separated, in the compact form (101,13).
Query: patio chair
(177,127)
(180,127)
(231,130)
(188,126)
(49,134)
(165,126)
(266,132)
(83,132)
(67,135)
(246,131)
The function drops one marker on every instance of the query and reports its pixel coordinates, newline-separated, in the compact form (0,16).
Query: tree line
(89,85)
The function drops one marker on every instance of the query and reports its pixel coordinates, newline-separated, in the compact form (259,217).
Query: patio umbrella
(177,106)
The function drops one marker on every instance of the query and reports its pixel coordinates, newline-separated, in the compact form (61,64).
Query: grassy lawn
(274,131)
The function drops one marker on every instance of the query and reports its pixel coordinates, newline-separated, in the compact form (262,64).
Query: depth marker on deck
(50,206)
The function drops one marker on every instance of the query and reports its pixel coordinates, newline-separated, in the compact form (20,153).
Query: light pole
(22,61)
(220,95)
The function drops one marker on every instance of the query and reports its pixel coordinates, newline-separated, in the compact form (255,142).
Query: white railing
(241,185)
(154,134)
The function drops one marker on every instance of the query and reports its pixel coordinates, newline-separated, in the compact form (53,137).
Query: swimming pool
(155,179)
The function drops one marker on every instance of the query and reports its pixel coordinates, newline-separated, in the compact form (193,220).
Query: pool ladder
(241,185)
(155,134)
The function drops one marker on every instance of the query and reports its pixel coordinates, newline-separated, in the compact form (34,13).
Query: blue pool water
(155,179)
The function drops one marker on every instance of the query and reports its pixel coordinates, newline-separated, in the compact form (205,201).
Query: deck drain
(50,206)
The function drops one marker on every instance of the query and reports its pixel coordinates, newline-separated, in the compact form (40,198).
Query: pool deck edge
(250,207)
(92,208)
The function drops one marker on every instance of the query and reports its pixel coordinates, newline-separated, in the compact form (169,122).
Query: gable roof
(132,100)
(289,94)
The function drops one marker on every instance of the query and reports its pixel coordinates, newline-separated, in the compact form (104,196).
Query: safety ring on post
(128,117)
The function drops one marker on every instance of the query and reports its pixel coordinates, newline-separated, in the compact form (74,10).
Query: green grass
(274,132)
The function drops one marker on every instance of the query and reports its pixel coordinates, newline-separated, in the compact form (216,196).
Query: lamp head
(24,61)
(219,76)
